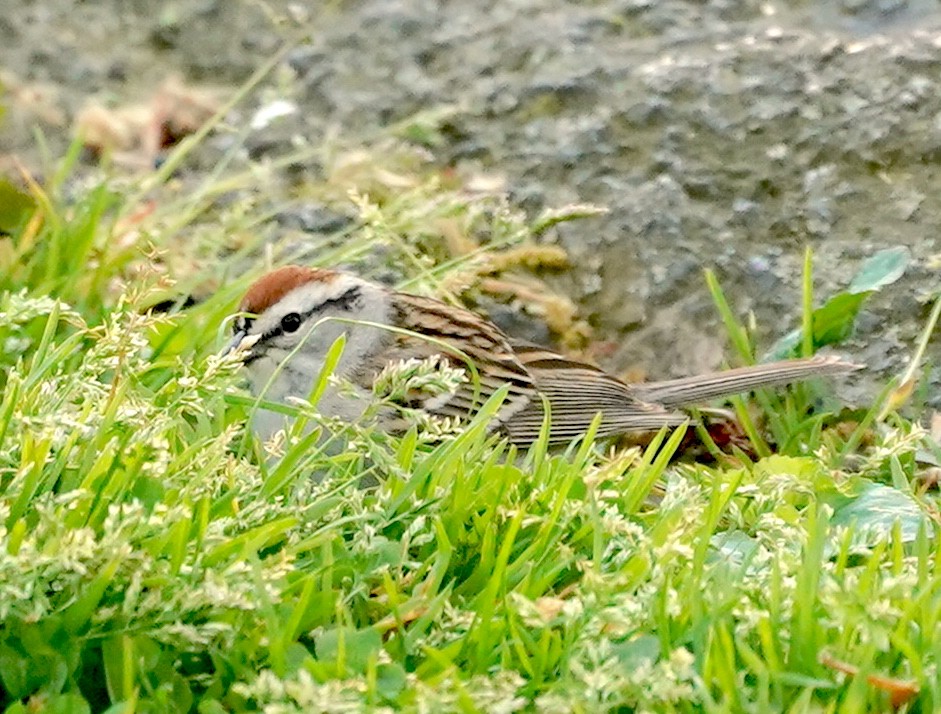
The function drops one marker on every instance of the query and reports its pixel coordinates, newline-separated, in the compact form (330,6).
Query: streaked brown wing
(467,341)
(576,392)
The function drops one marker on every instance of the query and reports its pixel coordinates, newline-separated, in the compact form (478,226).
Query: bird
(289,319)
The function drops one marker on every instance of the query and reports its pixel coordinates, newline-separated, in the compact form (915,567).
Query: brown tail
(688,391)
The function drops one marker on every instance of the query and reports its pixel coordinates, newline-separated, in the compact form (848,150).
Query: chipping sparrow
(284,332)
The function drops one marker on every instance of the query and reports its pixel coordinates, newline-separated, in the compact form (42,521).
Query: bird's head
(285,319)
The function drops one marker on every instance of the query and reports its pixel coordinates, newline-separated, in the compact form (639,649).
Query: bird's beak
(242,343)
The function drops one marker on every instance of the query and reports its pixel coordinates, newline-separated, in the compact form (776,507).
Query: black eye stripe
(346,301)
(242,324)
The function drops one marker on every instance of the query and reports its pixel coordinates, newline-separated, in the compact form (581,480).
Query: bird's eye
(291,322)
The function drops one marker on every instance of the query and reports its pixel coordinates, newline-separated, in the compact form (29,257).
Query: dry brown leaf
(136,133)
(900,691)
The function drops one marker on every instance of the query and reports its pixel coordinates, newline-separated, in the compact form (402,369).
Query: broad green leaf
(15,207)
(348,647)
(15,672)
(881,269)
(874,510)
(833,322)
(391,680)
(642,651)
(734,547)
(68,703)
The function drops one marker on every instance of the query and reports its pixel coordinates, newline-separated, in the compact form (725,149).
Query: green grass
(154,558)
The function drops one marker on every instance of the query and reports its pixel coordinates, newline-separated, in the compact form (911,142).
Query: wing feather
(575,391)
(465,340)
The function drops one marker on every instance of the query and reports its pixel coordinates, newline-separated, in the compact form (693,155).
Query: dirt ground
(725,134)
